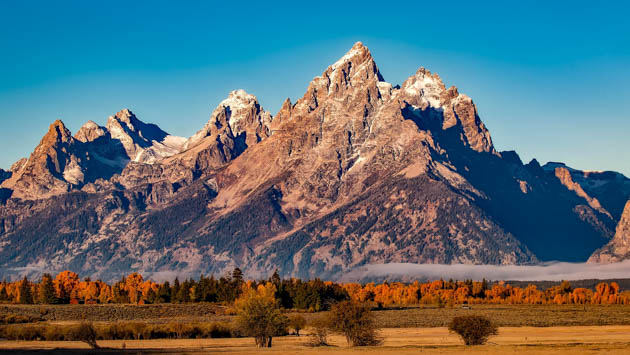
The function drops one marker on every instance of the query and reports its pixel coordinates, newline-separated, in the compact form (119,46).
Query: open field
(503,315)
(511,340)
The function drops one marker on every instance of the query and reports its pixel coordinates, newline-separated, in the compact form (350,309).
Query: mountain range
(358,171)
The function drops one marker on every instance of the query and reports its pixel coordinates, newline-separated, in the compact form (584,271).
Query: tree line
(313,295)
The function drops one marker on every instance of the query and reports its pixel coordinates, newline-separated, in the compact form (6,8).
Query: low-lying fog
(554,271)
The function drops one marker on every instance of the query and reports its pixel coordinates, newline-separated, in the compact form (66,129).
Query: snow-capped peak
(429,87)
(240,111)
(237,101)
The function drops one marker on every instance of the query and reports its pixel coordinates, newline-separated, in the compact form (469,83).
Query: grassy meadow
(524,329)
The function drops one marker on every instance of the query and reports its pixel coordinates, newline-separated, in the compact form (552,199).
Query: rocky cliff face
(619,247)
(356,171)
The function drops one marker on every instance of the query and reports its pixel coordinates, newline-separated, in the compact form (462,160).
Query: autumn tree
(259,315)
(132,287)
(356,322)
(65,282)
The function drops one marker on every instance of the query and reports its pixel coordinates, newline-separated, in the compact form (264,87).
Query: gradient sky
(550,78)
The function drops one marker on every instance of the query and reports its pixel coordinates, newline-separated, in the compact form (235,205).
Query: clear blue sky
(550,78)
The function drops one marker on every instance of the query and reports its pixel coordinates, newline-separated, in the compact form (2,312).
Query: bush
(474,330)
(319,336)
(356,322)
(297,323)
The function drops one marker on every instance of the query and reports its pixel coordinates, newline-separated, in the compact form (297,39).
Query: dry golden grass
(511,340)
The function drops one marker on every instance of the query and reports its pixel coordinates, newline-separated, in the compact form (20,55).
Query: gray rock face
(356,171)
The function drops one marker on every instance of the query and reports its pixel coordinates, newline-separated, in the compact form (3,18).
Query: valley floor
(438,340)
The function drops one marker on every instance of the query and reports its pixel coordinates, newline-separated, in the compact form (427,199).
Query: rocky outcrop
(619,247)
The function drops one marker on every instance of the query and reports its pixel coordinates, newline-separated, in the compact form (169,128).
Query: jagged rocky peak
(354,66)
(57,133)
(242,114)
(124,126)
(144,143)
(429,99)
(350,80)
(89,132)
(52,168)
(424,89)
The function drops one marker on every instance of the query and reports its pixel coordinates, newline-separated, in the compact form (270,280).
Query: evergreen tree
(275,278)
(26,297)
(175,290)
(4,297)
(151,296)
(237,275)
(183,294)
(47,290)
(164,293)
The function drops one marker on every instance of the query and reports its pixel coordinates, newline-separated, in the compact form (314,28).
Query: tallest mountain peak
(358,54)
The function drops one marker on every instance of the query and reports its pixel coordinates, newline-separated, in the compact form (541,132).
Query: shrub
(117,331)
(356,322)
(138,330)
(297,323)
(319,336)
(474,330)
(179,329)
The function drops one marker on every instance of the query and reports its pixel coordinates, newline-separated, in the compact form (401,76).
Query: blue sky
(550,78)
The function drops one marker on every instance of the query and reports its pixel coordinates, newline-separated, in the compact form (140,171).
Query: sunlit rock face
(619,247)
